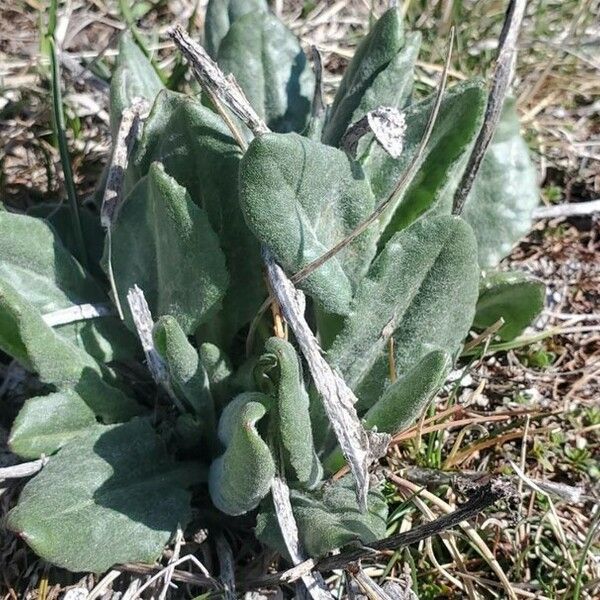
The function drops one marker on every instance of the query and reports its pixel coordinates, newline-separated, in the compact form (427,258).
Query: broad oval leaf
(25,336)
(299,198)
(241,477)
(294,426)
(373,55)
(45,423)
(270,66)
(162,242)
(515,297)
(111,495)
(35,263)
(196,149)
(221,14)
(421,289)
(133,77)
(504,193)
(327,518)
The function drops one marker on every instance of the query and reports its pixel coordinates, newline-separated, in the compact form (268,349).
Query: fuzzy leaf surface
(110,496)
(292,411)
(196,149)
(422,289)
(221,14)
(372,56)
(299,198)
(45,423)
(270,66)
(516,297)
(36,264)
(241,477)
(25,336)
(327,518)
(188,377)
(164,243)
(505,192)
(133,77)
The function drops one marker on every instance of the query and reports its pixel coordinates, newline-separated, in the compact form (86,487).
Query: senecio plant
(232,406)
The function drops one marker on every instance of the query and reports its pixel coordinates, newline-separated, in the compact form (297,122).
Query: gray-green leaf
(505,192)
(35,263)
(421,289)
(327,518)
(133,77)
(111,495)
(46,423)
(163,242)
(516,297)
(373,55)
(299,198)
(25,336)
(270,66)
(241,477)
(197,150)
(221,14)
(292,411)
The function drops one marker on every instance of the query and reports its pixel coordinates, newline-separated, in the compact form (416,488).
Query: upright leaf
(111,495)
(293,420)
(270,66)
(35,263)
(25,336)
(133,77)
(421,290)
(241,477)
(299,198)
(327,518)
(456,127)
(196,150)
(187,375)
(163,242)
(373,55)
(504,194)
(221,14)
(515,297)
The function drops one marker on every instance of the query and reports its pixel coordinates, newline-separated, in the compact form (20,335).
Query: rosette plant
(174,286)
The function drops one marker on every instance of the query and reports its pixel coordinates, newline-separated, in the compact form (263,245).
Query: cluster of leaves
(123,453)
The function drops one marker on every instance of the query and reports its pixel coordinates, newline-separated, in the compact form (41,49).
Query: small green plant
(234,407)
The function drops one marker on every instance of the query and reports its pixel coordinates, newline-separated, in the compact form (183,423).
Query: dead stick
(503,74)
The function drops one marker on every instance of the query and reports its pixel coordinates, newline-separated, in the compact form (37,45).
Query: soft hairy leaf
(293,420)
(375,52)
(162,242)
(515,297)
(421,289)
(188,377)
(221,14)
(111,495)
(219,370)
(299,198)
(46,423)
(456,127)
(241,477)
(404,400)
(25,336)
(327,518)
(270,66)
(133,77)
(505,192)
(36,264)
(196,149)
